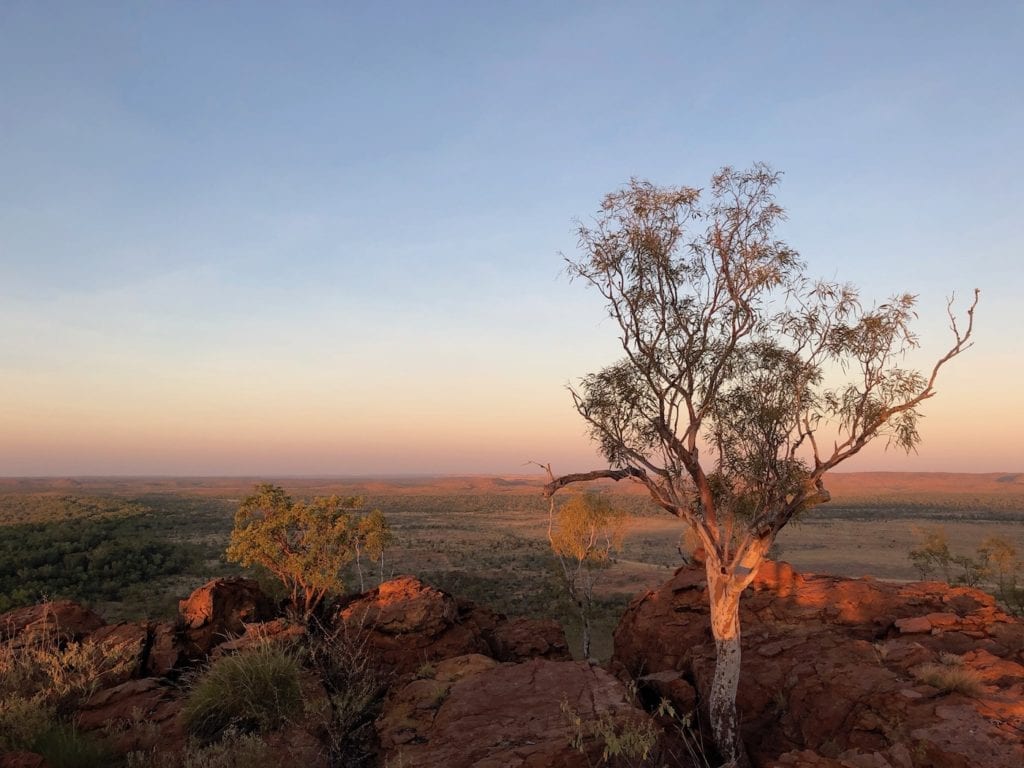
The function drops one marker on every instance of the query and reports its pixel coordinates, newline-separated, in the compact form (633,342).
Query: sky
(326,238)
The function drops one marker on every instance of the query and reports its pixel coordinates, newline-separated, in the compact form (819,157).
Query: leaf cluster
(730,350)
(304,544)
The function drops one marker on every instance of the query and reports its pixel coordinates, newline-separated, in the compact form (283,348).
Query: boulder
(219,611)
(165,650)
(277,632)
(124,645)
(136,715)
(408,624)
(845,672)
(520,639)
(63,619)
(473,711)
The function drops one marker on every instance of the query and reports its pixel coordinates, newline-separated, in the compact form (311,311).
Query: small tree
(305,545)
(1000,564)
(933,554)
(743,382)
(584,532)
(372,535)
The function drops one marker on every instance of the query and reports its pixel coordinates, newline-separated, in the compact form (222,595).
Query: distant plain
(480,537)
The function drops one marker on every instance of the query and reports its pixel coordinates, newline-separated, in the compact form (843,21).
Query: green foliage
(255,691)
(85,549)
(933,555)
(584,534)
(43,679)
(23,719)
(994,565)
(373,536)
(64,746)
(587,529)
(305,545)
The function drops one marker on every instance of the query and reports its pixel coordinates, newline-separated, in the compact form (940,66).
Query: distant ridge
(843,485)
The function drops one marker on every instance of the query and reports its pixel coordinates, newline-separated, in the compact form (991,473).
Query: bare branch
(597,474)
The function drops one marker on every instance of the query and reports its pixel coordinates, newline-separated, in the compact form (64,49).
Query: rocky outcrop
(219,610)
(61,619)
(408,624)
(858,672)
(136,715)
(473,711)
(521,639)
(405,625)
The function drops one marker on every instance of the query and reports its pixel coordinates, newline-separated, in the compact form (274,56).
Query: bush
(65,747)
(233,750)
(256,690)
(22,721)
(355,688)
(55,673)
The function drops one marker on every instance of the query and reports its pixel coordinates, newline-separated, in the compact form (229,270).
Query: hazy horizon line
(419,475)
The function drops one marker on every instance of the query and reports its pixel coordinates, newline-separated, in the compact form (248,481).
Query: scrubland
(131,547)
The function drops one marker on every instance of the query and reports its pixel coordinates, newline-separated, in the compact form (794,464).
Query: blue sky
(323,238)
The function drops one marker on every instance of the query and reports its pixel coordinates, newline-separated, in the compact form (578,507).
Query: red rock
(914,626)
(408,623)
(22,760)
(126,643)
(137,715)
(669,686)
(521,639)
(219,610)
(509,715)
(827,668)
(279,632)
(63,618)
(165,650)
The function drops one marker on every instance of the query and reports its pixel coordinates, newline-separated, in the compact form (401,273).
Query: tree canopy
(304,544)
(743,381)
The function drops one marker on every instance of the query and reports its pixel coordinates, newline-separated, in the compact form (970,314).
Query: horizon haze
(324,240)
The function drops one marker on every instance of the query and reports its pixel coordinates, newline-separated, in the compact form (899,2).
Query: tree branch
(597,474)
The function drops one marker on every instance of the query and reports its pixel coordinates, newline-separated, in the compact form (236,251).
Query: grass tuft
(233,750)
(950,675)
(255,691)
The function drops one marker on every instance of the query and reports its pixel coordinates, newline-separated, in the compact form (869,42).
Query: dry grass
(950,675)
(43,678)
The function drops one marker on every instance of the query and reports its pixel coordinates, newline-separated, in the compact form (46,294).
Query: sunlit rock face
(409,623)
(901,675)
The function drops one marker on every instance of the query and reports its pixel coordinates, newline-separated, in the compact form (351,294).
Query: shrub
(949,675)
(624,737)
(233,750)
(355,688)
(65,747)
(257,690)
(22,721)
(60,674)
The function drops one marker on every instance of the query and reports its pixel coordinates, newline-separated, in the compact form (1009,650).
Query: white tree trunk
(725,626)
(585,622)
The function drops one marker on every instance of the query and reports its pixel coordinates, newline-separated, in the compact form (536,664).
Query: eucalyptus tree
(743,382)
(585,532)
(306,545)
